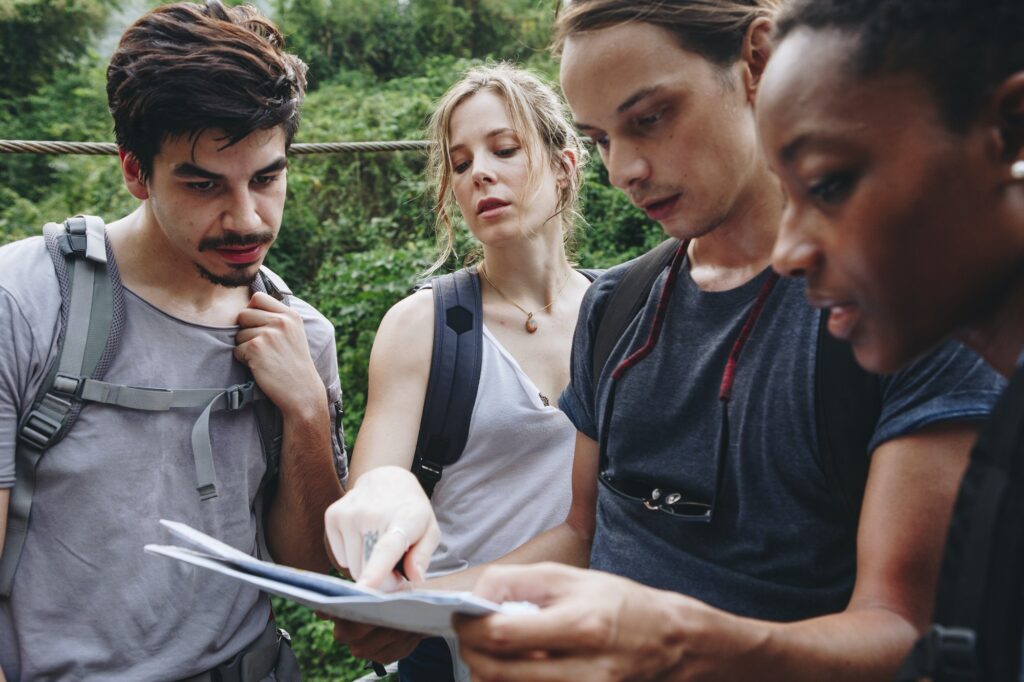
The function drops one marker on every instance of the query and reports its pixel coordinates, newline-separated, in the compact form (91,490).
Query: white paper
(424,611)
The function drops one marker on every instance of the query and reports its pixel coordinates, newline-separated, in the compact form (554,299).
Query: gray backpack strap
(78,249)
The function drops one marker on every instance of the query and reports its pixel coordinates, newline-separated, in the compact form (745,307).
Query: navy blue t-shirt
(780,546)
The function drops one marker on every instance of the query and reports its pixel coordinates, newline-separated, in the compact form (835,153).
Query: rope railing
(301,148)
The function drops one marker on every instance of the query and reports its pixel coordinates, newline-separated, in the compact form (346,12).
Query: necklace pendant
(531,324)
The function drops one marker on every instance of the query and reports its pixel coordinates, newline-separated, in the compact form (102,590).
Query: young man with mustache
(205,105)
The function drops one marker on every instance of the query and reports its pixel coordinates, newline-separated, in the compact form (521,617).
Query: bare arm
(272,342)
(398,374)
(385,501)
(605,627)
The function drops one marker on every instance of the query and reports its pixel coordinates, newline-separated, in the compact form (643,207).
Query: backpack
(91,322)
(455,364)
(979,607)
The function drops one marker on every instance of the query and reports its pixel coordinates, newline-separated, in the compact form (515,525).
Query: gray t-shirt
(779,546)
(87,602)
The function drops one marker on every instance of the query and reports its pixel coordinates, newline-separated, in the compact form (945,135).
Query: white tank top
(513,479)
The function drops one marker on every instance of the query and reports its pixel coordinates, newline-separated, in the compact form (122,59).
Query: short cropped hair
(961,49)
(187,67)
(713,29)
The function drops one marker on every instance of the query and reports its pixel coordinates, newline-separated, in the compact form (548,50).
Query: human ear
(1009,110)
(566,167)
(757,48)
(132,174)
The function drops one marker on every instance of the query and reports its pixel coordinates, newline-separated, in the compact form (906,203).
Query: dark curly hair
(185,68)
(961,49)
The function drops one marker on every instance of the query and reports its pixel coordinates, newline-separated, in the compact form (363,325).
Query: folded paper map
(425,611)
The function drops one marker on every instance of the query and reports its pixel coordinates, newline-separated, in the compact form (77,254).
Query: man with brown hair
(205,105)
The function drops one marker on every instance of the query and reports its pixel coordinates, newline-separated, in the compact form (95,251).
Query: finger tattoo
(369,542)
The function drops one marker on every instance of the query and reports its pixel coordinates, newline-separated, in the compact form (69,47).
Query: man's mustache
(232,239)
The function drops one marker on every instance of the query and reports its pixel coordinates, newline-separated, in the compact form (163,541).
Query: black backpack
(847,402)
(91,320)
(979,607)
(454,373)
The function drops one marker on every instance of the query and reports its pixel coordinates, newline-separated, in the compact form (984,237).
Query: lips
(490,206)
(661,209)
(240,255)
(842,315)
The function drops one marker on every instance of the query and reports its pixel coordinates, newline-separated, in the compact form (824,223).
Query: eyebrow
(626,104)
(191,170)
(813,139)
(494,133)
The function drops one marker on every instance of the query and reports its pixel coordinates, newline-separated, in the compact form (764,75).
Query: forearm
(564,544)
(307,485)
(861,645)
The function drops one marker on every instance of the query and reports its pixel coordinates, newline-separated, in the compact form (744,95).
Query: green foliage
(391,38)
(49,34)
(354,292)
(313,643)
(36,189)
(615,230)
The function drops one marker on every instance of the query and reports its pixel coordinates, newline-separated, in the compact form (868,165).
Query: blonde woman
(507,159)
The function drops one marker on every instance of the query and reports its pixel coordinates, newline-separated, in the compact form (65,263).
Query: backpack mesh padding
(60,265)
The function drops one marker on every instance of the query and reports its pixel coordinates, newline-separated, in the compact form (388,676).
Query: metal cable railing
(109,148)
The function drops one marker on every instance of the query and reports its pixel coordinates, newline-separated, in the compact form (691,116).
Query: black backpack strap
(88,309)
(271,429)
(847,405)
(981,588)
(626,300)
(454,375)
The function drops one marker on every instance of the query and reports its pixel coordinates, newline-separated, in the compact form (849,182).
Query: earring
(1017,170)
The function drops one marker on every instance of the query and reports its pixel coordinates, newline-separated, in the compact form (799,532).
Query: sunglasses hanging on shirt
(655,497)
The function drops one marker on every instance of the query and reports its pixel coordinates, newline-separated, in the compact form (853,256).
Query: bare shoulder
(405,335)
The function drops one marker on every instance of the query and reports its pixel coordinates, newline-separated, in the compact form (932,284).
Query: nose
(241,215)
(626,165)
(796,251)
(483,174)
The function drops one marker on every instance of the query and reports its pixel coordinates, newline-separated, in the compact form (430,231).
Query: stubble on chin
(241,278)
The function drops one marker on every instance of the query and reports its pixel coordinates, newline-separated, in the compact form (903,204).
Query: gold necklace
(531,324)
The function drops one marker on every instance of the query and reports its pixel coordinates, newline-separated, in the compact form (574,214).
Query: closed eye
(832,188)
(264,180)
(203,186)
(650,119)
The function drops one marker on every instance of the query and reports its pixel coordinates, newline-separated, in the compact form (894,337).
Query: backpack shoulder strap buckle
(84,237)
(69,385)
(240,395)
(944,654)
(39,429)
(428,473)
